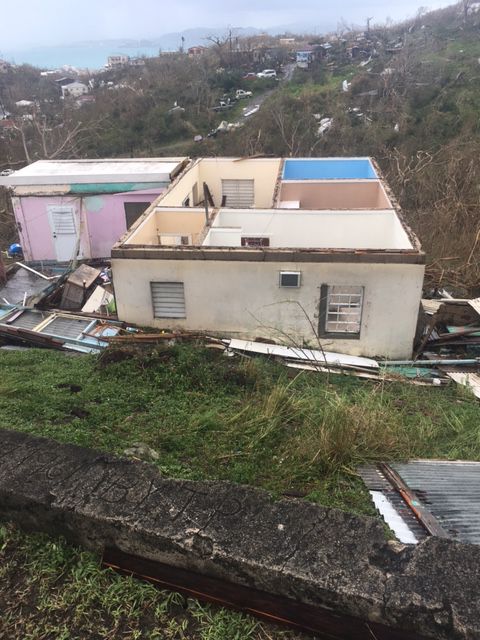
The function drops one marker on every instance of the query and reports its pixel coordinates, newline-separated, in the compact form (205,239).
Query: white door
(64,231)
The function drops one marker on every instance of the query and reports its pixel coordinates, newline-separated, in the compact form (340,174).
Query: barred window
(342,309)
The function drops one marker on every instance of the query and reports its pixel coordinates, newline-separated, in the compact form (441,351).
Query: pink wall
(102,222)
(106,218)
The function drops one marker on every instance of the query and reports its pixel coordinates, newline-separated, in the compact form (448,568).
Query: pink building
(80,208)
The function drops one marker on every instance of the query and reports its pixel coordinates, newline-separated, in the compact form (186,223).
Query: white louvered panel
(168,299)
(240,194)
(63,220)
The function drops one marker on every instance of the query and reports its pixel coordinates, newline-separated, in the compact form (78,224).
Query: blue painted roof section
(329,169)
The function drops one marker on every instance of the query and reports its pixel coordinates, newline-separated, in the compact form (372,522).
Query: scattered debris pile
(86,289)
(56,330)
(451,339)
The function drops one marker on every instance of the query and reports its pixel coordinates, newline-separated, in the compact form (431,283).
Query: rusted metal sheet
(275,609)
(424,516)
(450,490)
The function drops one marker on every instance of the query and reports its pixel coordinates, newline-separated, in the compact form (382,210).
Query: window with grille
(341,310)
(168,299)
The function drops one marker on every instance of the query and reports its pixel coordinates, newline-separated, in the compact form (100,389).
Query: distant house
(24,104)
(294,248)
(117,60)
(74,90)
(65,208)
(64,81)
(193,52)
(136,62)
(287,42)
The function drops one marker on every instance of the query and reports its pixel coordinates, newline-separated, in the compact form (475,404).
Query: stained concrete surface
(291,548)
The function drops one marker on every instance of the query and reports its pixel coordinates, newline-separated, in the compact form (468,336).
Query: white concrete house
(293,250)
(74,90)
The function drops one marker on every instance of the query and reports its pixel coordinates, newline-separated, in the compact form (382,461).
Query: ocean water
(82,56)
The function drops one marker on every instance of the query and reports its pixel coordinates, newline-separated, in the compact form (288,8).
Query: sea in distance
(88,55)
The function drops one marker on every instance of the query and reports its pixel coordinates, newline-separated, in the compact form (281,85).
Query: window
(290,278)
(168,299)
(133,210)
(239,194)
(186,202)
(341,310)
(257,241)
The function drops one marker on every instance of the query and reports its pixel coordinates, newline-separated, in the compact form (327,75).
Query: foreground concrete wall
(244,299)
(293,548)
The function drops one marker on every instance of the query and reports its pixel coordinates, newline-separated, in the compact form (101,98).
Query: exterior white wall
(244,299)
(315,229)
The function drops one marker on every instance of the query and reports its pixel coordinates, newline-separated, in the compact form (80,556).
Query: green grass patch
(242,420)
(53,591)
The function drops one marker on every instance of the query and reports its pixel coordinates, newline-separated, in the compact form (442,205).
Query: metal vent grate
(168,299)
(63,220)
(239,194)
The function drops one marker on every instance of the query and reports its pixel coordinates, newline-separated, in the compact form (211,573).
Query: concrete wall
(182,222)
(263,171)
(243,299)
(335,195)
(100,218)
(183,189)
(317,229)
(212,170)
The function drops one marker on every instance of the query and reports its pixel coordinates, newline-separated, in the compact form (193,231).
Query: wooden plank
(277,610)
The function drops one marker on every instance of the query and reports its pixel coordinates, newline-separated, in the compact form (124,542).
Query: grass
(53,591)
(207,416)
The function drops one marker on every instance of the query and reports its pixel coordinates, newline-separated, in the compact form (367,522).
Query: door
(64,231)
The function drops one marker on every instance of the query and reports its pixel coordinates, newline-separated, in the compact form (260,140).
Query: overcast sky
(32,22)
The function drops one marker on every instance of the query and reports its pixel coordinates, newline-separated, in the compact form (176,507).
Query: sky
(26,23)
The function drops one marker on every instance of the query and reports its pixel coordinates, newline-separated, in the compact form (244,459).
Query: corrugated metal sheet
(239,193)
(66,327)
(376,483)
(168,299)
(451,492)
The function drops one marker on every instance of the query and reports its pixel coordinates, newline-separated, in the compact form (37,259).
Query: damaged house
(292,250)
(79,208)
